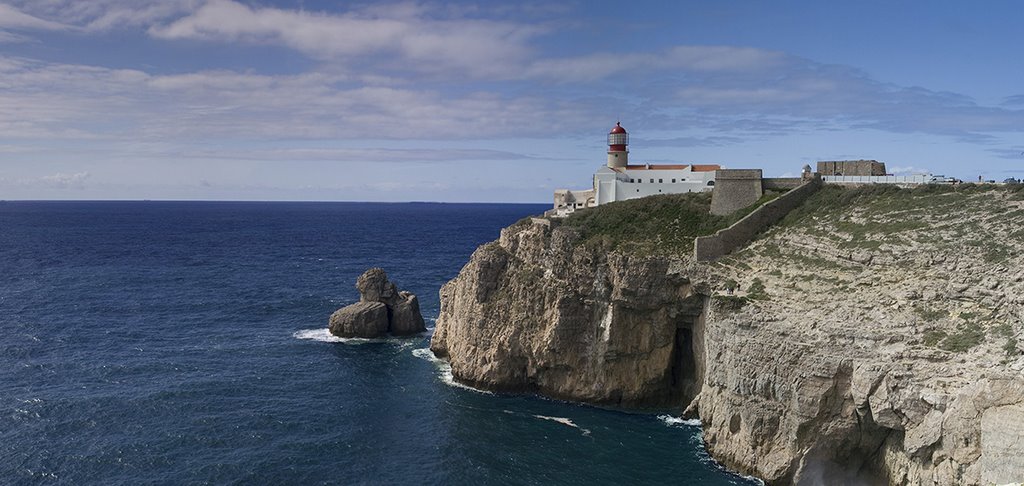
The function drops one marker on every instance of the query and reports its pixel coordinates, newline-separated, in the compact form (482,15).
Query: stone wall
(735,189)
(725,241)
(851,168)
(781,183)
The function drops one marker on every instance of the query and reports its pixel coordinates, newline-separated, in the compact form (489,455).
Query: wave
(674,421)
(444,370)
(323,335)
(564,421)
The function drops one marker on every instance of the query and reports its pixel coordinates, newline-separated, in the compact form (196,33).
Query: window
(711,183)
(661,181)
(673,181)
(652,181)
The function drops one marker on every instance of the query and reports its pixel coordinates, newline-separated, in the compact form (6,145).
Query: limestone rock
(536,312)
(405,315)
(1002,441)
(381,309)
(374,286)
(362,320)
(881,350)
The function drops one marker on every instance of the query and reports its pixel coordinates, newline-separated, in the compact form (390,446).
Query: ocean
(186,343)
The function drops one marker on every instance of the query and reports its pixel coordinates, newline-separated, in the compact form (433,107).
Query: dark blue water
(168,343)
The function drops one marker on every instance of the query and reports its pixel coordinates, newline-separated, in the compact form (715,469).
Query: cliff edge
(870,337)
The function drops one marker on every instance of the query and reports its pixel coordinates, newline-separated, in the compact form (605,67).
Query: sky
(488,101)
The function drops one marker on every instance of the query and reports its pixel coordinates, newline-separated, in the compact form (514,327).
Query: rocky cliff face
(537,312)
(873,338)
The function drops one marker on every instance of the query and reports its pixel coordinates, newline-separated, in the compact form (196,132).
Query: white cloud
(12,18)
(61,101)
(908,170)
(12,38)
(358,155)
(62,180)
(402,34)
(101,15)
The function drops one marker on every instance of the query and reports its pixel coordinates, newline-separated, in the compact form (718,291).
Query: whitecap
(444,370)
(564,421)
(323,335)
(674,421)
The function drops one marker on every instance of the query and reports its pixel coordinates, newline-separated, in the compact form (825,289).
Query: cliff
(870,337)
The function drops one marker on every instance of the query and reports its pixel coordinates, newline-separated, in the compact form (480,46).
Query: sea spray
(444,370)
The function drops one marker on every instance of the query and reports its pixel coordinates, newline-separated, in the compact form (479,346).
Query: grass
(663,224)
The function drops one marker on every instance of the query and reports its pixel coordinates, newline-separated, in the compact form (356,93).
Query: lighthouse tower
(618,139)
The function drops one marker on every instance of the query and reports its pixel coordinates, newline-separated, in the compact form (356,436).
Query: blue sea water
(186,343)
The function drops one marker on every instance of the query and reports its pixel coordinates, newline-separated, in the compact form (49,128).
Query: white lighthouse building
(619,181)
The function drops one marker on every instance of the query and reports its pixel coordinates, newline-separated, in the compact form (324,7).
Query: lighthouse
(619,181)
(618,139)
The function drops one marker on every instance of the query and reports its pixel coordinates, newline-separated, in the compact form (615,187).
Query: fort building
(851,168)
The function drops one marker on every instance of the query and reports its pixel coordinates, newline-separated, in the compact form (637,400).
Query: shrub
(729,302)
(967,337)
(1011,347)
(931,338)
(756,290)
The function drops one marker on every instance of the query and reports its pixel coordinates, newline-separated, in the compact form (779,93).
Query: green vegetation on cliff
(939,259)
(663,224)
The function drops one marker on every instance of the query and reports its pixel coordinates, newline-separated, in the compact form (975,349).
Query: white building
(619,181)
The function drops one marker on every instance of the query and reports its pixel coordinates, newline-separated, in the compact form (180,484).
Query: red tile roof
(656,167)
(694,168)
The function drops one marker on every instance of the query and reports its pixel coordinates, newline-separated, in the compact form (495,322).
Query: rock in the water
(362,320)
(381,309)
(373,286)
(405,315)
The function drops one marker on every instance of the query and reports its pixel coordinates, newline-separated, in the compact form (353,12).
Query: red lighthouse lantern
(618,139)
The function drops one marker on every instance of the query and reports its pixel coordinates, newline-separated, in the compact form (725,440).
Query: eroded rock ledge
(847,356)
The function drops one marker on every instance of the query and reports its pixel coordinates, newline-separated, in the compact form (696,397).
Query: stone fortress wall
(725,241)
(851,168)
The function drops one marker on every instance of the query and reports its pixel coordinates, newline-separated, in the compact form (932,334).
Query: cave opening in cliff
(686,359)
(684,368)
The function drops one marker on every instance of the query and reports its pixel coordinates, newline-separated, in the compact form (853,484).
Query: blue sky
(464,101)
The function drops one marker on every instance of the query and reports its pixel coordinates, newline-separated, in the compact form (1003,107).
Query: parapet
(737,174)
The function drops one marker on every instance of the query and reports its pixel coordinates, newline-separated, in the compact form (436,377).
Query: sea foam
(564,421)
(323,335)
(674,421)
(444,370)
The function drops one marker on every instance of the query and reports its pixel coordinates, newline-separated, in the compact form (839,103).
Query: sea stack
(381,309)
